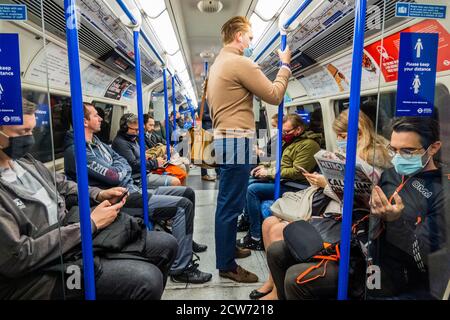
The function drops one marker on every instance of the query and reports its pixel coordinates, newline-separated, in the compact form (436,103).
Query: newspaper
(332,166)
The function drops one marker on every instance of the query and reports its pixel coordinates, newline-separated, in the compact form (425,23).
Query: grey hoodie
(25,245)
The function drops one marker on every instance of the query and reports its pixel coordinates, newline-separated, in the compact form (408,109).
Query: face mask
(18,146)
(131,136)
(342,145)
(407,167)
(288,138)
(248,52)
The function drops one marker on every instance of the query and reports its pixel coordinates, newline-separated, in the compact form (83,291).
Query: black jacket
(129,149)
(401,250)
(152,139)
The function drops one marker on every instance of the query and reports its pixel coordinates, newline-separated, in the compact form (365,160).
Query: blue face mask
(342,145)
(248,52)
(407,167)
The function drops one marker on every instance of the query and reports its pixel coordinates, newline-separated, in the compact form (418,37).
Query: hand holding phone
(303,170)
(123,195)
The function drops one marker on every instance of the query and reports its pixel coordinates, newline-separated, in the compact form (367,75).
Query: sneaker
(208,178)
(192,275)
(197,247)
(240,253)
(240,275)
(243,225)
(249,243)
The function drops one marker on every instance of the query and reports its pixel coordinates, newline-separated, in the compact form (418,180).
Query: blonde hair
(233,26)
(371,147)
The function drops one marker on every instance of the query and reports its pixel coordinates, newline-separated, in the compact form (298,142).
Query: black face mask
(131,136)
(19,146)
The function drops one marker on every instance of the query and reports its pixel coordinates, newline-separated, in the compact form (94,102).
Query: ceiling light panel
(267,9)
(164,31)
(153,7)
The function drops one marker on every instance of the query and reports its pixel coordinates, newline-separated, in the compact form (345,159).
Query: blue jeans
(235,165)
(257,192)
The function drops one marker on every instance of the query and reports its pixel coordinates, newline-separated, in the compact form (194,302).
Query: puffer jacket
(300,152)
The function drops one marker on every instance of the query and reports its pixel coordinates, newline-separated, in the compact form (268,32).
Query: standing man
(233,80)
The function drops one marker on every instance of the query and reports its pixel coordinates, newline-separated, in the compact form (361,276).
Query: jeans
(257,192)
(234,160)
(285,270)
(176,203)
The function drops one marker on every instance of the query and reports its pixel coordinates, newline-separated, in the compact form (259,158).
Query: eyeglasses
(406,153)
(134,129)
(287,132)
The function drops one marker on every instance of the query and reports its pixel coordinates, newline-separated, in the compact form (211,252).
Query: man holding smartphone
(108,169)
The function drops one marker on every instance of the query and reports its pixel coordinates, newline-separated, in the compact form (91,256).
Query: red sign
(389,51)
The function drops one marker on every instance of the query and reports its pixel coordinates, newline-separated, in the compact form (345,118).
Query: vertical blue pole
(174,107)
(280,130)
(80,147)
(353,117)
(166,109)
(140,109)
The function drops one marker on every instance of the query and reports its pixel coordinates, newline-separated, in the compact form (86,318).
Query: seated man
(152,139)
(299,147)
(126,145)
(107,169)
(409,224)
(30,230)
(409,206)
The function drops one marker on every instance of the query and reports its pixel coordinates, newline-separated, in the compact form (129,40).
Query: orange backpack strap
(323,261)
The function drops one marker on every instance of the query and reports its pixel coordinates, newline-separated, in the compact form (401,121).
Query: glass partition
(33,194)
(409,221)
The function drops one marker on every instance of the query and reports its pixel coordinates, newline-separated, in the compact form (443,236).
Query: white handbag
(293,206)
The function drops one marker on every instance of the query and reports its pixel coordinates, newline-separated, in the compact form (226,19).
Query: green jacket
(299,152)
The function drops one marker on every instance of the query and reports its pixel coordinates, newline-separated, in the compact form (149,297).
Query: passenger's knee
(190,194)
(269,222)
(151,286)
(169,244)
(276,232)
(251,190)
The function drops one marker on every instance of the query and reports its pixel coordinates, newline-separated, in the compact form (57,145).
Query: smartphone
(165,164)
(123,195)
(302,169)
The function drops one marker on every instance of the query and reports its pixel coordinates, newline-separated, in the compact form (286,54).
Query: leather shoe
(255,294)
(240,275)
(208,178)
(240,253)
(197,247)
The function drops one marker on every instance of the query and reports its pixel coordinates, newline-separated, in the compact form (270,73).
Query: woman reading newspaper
(371,149)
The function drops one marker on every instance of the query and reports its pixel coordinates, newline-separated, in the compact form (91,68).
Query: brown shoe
(241,275)
(208,178)
(240,253)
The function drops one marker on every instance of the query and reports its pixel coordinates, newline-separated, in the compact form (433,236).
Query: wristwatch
(286,65)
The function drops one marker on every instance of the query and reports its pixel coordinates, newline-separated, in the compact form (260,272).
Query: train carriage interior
(75,62)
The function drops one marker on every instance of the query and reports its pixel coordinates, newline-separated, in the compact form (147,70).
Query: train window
(106,113)
(387,107)
(60,105)
(312,115)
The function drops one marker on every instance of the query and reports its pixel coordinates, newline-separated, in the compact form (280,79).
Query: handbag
(300,205)
(201,142)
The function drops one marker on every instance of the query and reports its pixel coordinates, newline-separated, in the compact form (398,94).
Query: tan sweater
(233,80)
